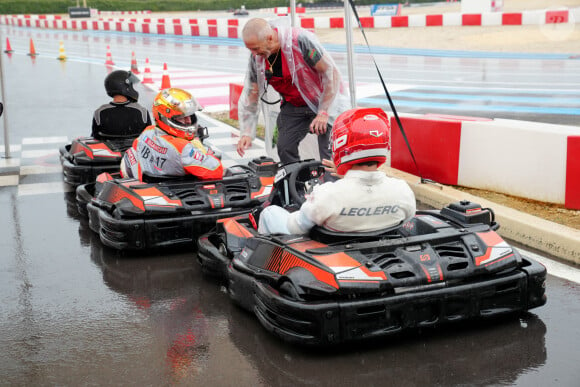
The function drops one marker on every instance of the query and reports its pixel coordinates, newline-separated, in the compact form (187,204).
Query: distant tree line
(61,6)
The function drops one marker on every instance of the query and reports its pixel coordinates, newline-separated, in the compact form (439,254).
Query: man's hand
(319,124)
(244,143)
(331,168)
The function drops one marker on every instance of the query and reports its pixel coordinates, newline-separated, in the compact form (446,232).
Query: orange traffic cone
(32,49)
(61,53)
(109,60)
(9,49)
(134,68)
(165,82)
(147,73)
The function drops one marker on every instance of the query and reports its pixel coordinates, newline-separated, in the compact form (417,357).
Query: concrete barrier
(526,159)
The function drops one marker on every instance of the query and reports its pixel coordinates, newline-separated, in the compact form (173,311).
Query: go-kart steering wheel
(303,179)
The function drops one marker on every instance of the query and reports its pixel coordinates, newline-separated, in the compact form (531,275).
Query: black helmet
(120,82)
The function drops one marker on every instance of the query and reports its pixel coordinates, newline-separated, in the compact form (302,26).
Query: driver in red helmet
(365,199)
(170,148)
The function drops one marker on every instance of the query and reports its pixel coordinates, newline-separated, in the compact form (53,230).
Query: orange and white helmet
(172,104)
(360,135)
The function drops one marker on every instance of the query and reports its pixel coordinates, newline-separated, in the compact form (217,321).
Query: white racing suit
(159,154)
(361,201)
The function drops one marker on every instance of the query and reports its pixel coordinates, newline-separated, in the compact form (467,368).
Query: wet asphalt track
(75,313)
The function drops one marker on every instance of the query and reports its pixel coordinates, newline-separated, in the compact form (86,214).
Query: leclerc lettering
(369,211)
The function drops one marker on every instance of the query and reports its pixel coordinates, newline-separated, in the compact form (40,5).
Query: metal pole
(349,53)
(2,94)
(293,13)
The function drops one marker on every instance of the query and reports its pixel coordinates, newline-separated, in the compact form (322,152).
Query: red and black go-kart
(129,214)
(85,158)
(442,266)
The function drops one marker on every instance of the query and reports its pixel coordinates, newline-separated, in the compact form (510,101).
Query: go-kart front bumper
(336,321)
(176,230)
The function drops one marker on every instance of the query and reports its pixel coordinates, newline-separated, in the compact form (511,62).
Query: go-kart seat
(108,136)
(149,178)
(325,235)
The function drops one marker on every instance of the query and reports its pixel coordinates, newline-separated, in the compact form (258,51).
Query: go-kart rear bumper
(330,322)
(82,174)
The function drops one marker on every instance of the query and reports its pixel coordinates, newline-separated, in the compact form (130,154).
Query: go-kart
(242,11)
(157,212)
(85,158)
(326,287)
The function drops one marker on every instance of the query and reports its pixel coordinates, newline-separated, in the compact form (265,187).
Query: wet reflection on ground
(75,313)
(170,324)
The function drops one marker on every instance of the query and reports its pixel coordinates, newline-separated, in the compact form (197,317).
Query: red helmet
(360,135)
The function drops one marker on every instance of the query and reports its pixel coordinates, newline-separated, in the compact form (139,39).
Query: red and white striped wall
(526,159)
(451,19)
(231,28)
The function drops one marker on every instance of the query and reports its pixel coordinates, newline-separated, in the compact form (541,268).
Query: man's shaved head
(260,38)
(256,28)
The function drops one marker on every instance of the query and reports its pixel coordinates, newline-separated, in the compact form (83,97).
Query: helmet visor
(131,78)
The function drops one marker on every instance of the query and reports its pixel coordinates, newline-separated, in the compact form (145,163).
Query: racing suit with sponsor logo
(157,153)
(361,201)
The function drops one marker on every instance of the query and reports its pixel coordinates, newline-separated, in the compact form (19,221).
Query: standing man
(294,63)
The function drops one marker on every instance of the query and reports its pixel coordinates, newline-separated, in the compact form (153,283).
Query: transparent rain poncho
(320,91)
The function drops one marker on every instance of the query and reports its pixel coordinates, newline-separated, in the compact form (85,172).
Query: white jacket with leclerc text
(361,201)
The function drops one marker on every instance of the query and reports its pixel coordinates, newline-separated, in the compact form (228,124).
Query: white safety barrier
(526,159)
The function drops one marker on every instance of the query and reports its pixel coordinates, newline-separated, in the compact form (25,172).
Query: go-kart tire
(288,290)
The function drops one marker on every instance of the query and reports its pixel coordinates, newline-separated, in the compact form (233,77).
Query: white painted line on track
(9,180)
(216,108)
(13,148)
(39,169)
(372,89)
(222,141)
(32,154)
(555,268)
(11,162)
(44,188)
(44,140)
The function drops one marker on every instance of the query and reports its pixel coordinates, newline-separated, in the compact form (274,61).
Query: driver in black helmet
(123,116)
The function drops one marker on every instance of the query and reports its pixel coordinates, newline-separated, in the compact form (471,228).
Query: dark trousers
(293,125)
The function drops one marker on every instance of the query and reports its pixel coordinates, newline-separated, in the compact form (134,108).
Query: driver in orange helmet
(365,199)
(170,148)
